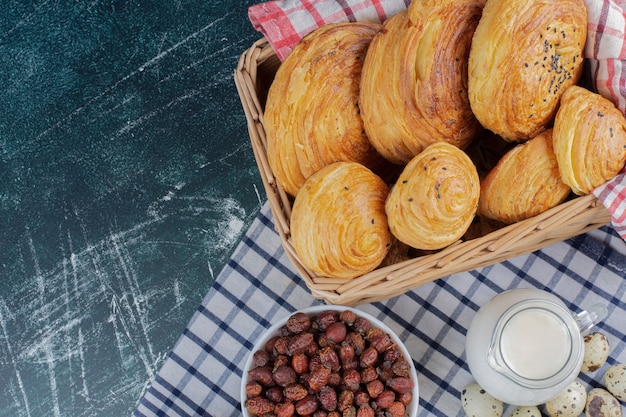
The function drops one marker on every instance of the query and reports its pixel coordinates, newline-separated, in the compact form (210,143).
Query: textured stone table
(127,181)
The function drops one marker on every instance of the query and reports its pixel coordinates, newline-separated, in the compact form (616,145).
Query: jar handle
(587,319)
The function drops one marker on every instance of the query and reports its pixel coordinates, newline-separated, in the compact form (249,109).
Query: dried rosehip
(384,371)
(300,343)
(300,363)
(381,342)
(335,379)
(281,345)
(336,332)
(260,358)
(361,397)
(328,398)
(352,379)
(361,325)
(298,323)
(295,392)
(365,411)
(368,357)
(307,406)
(392,354)
(348,317)
(400,384)
(385,399)
(269,345)
(401,368)
(280,360)
(357,341)
(315,362)
(397,409)
(319,378)
(262,375)
(346,353)
(345,400)
(286,409)
(275,394)
(368,374)
(259,405)
(326,318)
(405,398)
(253,389)
(284,375)
(329,358)
(375,388)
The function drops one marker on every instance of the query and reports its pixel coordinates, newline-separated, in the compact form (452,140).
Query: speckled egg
(600,403)
(615,381)
(526,411)
(569,403)
(479,403)
(596,351)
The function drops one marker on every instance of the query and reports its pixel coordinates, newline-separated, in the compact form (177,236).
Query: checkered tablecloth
(259,286)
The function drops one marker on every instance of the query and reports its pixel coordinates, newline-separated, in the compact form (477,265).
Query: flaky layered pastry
(524,54)
(312,115)
(414,80)
(589,139)
(524,183)
(435,198)
(338,222)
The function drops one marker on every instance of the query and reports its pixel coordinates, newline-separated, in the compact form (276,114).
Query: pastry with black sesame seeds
(434,200)
(338,223)
(524,54)
(589,139)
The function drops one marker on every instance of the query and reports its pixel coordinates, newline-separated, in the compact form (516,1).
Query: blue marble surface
(127,181)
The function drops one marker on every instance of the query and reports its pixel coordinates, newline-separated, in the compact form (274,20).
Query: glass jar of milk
(524,346)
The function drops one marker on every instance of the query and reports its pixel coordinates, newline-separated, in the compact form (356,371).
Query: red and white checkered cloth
(606,51)
(285,22)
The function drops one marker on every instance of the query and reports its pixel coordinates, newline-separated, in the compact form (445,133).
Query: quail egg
(600,403)
(615,381)
(526,411)
(596,351)
(569,403)
(479,403)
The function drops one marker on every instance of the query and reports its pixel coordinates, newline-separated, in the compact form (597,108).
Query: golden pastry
(312,115)
(338,222)
(524,183)
(589,139)
(414,79)
(524,54)
(434,200)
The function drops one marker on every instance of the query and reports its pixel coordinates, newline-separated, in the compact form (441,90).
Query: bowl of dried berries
(329,361)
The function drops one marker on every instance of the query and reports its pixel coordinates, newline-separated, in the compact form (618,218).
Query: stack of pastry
(408,101)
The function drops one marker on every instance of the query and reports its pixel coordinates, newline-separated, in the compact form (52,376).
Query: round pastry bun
(524,183)
(338,222)
(435,198)
(312,116)
(524,54)
(589,139)
(414,79)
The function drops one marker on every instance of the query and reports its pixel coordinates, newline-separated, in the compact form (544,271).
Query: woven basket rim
(253,75)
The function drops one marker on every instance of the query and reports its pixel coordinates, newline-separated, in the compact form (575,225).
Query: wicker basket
(253,76)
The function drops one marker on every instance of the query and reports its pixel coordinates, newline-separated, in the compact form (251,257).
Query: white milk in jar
(535,344)
(524,347)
